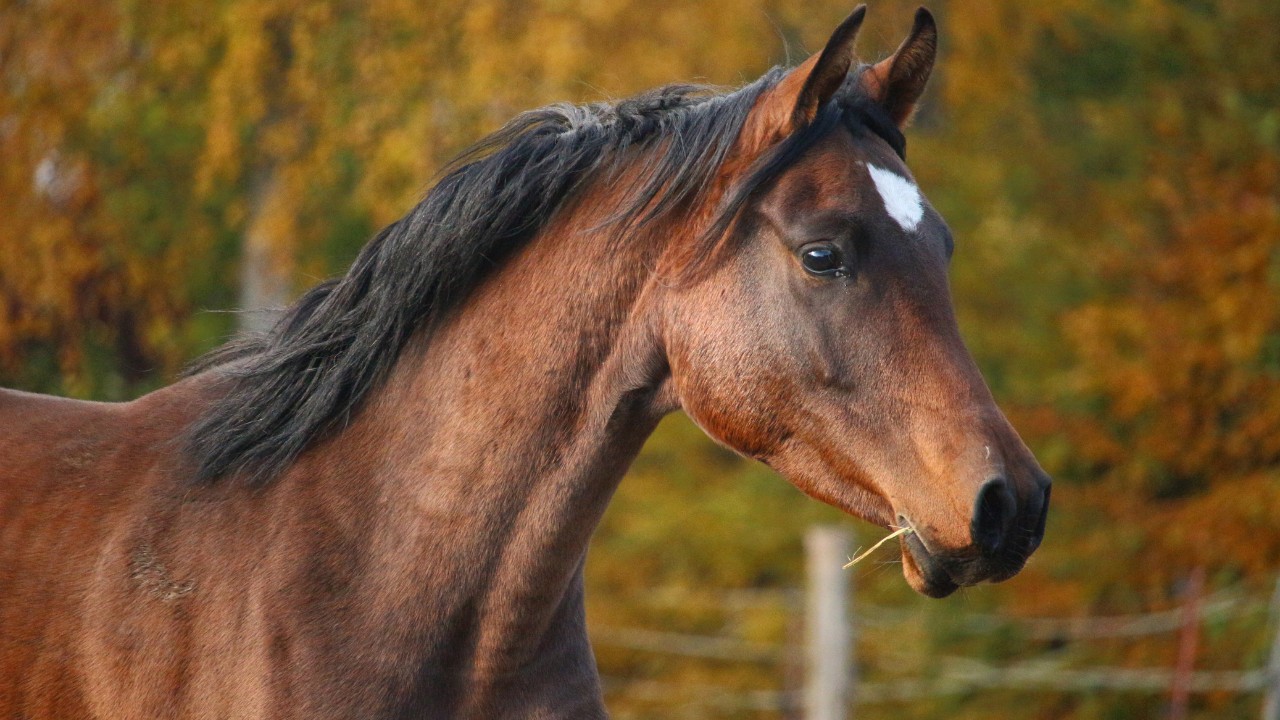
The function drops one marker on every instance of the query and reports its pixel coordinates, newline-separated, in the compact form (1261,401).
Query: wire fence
(956,675)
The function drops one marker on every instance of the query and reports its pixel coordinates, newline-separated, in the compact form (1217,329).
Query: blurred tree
(1180,345)
(72,306)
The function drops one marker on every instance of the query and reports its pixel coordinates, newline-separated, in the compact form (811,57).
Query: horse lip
(938,582)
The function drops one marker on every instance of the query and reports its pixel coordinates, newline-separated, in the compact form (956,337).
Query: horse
(381,507)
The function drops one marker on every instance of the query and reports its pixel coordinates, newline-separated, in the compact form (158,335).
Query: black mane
(309,374)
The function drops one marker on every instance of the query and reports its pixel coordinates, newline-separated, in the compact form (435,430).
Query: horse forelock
(310,374)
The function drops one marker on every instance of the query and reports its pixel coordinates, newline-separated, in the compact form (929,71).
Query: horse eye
(823,260)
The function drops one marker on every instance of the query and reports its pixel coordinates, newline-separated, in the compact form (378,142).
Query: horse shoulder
(73,464)
(76,479)
(37,429)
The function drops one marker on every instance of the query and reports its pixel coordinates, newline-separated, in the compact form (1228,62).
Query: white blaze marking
(901,197)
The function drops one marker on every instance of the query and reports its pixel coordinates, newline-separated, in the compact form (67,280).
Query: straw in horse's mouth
(905,529)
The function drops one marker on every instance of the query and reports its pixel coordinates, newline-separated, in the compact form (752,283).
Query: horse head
(819,335)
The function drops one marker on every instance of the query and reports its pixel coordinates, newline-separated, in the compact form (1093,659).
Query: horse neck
(489,456)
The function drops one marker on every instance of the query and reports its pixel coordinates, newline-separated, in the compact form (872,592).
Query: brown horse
(381,508)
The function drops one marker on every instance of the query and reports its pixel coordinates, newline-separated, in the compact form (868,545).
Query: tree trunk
(265,264)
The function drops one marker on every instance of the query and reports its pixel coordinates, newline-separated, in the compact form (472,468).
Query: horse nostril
(992,514)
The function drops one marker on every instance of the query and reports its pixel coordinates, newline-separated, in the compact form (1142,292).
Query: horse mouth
(939,575)
(924,572)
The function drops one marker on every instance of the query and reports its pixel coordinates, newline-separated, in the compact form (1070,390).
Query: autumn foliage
(1111,172)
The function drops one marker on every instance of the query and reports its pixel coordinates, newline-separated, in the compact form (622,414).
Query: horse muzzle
(1004,531)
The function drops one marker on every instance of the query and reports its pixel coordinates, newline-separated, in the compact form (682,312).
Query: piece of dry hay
(868,551)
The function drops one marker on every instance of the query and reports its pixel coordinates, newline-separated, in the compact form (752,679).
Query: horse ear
(795,101)
(897,82)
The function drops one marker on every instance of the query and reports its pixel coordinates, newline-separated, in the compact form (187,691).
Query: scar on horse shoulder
(152,575)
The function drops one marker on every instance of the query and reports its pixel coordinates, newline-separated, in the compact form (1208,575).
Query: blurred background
(1110,170)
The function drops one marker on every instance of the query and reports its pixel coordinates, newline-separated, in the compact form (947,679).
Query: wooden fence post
(1271,700)
(829,636)
(1188,645)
